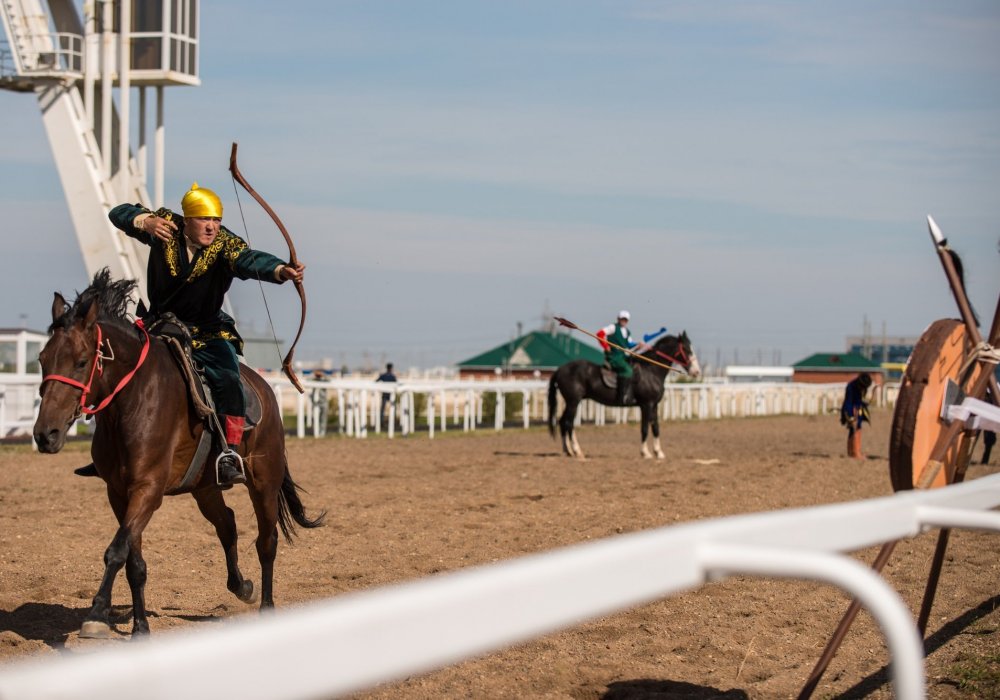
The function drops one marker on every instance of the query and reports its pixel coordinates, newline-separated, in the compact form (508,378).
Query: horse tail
(291,511)
(553,385)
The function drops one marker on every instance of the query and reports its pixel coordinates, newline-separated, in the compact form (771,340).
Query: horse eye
(81,363)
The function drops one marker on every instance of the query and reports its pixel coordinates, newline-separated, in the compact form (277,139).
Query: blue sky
(757,173)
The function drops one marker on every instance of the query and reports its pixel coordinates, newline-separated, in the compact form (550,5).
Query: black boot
(621,392)
(229,469)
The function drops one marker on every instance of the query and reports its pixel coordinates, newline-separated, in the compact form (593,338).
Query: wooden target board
(941,354)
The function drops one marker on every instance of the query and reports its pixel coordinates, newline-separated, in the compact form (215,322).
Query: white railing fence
(356,641)
(459,404)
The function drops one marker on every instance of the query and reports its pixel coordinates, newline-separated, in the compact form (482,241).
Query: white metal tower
(82,65)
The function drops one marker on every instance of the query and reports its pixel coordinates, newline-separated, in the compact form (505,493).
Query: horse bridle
(98,369)
(681,358)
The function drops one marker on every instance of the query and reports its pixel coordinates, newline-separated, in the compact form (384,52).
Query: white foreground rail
(355,641)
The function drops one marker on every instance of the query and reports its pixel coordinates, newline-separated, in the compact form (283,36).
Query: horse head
(677,350)
(72,359)
(72,353)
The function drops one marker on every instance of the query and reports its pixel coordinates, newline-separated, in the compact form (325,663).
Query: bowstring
(260,283)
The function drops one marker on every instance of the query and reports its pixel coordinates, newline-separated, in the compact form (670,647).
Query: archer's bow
(293,259)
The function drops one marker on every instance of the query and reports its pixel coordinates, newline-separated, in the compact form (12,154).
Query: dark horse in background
(581,379)
(145,437)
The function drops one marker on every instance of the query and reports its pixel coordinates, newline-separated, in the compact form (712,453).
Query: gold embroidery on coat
(226,243)
(171,251)
(171,248)
(199,340)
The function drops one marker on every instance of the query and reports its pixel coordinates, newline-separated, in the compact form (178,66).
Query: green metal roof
(834,362)
(535,350)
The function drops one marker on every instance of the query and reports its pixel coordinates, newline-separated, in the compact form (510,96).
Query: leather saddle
(609,377)
(178,339)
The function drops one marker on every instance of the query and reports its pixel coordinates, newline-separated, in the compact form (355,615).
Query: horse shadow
(53,624)
(647,689)
(48,623)
(512,453)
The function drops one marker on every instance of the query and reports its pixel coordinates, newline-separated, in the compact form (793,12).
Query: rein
(682,359)
(98,368)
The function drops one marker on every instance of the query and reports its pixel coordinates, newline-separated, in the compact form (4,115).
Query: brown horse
(97,361)
(580,379)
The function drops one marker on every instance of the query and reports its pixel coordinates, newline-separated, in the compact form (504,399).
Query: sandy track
(410,507)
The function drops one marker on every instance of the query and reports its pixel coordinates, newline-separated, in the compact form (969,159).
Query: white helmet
(625,314)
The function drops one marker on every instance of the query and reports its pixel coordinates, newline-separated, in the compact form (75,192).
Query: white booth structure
(98,71)
(20,375)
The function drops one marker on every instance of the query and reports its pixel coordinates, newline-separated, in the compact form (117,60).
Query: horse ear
(58,307)
(91,317)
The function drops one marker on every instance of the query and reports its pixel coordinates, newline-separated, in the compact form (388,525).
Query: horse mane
(670,337)
(111,296)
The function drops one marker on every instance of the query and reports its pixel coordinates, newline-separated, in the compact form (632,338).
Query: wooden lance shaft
(570,324)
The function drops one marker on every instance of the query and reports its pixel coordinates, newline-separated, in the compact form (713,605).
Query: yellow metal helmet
(201,202)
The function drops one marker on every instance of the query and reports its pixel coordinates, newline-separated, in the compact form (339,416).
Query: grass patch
(978,676)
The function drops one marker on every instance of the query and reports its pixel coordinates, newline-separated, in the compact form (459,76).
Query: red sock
(234,430)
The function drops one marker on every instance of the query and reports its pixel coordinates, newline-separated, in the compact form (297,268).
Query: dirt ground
(405,508)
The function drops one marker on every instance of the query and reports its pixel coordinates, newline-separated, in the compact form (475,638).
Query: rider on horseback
(614,338)
(192,263)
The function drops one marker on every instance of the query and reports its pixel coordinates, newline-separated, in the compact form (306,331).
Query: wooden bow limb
(293,259)
(570,324)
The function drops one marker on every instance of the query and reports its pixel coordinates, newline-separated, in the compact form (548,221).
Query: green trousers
(222,370)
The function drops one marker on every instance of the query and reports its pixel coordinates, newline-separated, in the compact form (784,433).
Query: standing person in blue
(386,376)
(193,260)
(854,412)
(618,334)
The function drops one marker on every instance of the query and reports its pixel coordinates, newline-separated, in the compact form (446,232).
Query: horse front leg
(97,624)
(214,508)
(125,550)
(135,574)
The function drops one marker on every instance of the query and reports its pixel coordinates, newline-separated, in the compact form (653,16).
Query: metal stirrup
(239,463)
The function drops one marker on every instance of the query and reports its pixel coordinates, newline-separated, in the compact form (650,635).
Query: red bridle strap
(681,359)
(97,361)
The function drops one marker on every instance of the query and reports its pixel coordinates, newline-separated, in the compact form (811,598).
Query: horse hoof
(95,629)
(249,593)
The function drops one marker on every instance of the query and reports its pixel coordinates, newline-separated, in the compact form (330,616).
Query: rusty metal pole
(845,624)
